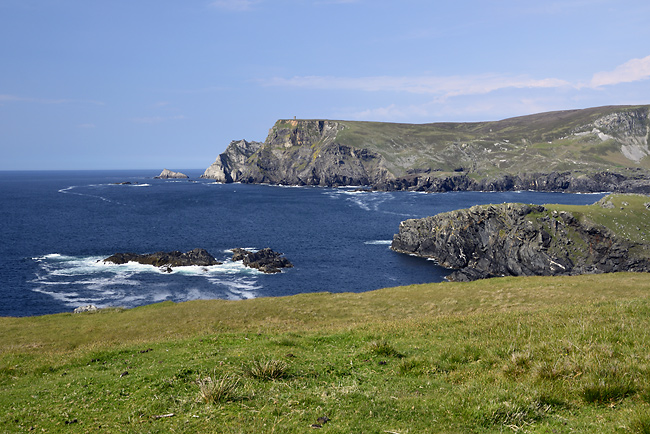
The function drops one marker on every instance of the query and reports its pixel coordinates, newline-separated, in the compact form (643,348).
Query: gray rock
(168,174)
(166,260)
(87,308)
(515,240)
(265,260)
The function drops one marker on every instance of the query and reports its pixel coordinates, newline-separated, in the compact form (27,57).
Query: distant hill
(595,149)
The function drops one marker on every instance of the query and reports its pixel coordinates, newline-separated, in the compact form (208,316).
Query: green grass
(534,354)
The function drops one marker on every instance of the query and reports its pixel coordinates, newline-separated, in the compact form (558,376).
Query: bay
(56,227)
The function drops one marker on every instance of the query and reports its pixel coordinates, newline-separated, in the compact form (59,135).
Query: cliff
(597,149)
(525,240)
(296,152)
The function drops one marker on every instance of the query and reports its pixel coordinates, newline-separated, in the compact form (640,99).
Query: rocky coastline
(517,240)
(589,150)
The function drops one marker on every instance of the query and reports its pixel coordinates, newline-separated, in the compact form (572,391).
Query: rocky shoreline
(517,240)
(589,150)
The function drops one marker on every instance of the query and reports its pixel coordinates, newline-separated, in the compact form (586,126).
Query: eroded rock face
(303,152)
(515,240)
(168,174)
(265,260)
(199,257)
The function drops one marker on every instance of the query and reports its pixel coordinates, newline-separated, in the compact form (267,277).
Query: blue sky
(143,84)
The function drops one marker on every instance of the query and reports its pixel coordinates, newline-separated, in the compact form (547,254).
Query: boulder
(87,308)
(265,260)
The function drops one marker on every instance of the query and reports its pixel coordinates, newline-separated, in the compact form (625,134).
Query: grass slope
(558,354)
(543,142)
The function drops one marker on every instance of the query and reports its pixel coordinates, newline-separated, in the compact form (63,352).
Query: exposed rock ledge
(516,240)
(166,260)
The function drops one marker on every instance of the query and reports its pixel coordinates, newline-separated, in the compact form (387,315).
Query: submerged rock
(166,260)
(265,260)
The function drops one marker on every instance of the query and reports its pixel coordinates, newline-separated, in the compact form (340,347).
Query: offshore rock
(166,260)
(265,260)
(168,174)
(515,240)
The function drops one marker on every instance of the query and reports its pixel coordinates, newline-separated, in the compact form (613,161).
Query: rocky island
(588,150)
(166,260)
(524,240)
(265,260)
(168,174)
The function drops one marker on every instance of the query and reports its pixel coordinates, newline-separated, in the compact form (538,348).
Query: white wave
(379,242)
(68,190)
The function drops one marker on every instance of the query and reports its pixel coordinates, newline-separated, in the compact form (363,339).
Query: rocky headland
(525,240)
(596,149)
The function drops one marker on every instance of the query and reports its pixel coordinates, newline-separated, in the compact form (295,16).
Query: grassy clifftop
(536,354)
(584,140)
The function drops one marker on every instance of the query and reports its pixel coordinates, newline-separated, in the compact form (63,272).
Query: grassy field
(534,354)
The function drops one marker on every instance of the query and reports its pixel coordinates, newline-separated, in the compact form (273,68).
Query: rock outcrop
(166,260)
(516,240)
(597,149)
(265,260)
(301,152)
(168,174)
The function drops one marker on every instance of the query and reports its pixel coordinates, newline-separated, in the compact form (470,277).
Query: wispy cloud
(17,98)
(631,71)
(430,85)
(86,126)
(157,119)
(235,5)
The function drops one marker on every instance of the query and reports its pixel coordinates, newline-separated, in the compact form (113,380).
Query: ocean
(57,226)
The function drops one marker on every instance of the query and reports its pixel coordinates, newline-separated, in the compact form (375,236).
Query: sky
(153,84)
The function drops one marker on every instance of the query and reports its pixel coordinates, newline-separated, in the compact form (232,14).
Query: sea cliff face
(299,153)
(598,149)
(517,240)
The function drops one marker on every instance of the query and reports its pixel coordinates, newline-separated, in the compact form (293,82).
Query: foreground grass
(556,355)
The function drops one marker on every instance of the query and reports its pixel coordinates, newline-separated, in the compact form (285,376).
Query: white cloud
(86,126)
(156,119)
(630,71)
(15,98)
(425,85)
(235,5)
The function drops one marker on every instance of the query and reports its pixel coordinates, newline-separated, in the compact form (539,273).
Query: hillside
(596,149)
(532,354)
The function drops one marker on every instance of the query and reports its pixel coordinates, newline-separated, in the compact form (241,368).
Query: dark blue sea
(56,227)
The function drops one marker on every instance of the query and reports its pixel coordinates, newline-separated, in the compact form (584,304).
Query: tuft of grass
(384,349)
(607,391)
(213,390)
(269,369)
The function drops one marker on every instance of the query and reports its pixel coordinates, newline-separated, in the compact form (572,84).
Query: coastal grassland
(526,354)
(624,214)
